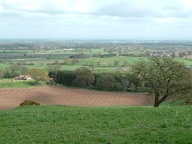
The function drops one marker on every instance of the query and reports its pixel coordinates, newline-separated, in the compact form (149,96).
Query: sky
(96,19)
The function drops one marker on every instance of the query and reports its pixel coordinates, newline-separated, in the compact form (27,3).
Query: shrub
(65,77)
(105,82)
(84,77)
(29,102)
(38,74)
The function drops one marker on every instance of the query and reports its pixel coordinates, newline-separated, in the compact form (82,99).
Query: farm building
(23,77)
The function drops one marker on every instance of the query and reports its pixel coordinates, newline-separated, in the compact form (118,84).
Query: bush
(84,77)
(105,82)
(29,102)
(65,77)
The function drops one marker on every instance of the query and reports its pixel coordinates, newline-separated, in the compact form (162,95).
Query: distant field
(110,61)
(96,125)
(42,58)
(186,61)
(3,66)
(106,64)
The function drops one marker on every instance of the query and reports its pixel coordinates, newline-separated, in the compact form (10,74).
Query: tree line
(164,78)
(85,78)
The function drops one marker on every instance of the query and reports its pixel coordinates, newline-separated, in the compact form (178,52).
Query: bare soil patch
(55,95)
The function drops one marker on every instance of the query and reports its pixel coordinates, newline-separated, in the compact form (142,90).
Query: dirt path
(49,95)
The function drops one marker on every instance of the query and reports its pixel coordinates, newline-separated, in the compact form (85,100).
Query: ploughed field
(55,95)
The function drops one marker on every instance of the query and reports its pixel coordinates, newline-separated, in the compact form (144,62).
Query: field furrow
(50,95)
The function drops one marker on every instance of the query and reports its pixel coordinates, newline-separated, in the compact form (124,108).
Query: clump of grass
(29,102)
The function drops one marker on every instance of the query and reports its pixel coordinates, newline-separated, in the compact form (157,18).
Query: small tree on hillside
(53,67)
(13,70)
(116,62)
(38,74)
(92,66)
(2,73)
(23,70)
(98,63)
(165,77)
(66,61)
(125,63)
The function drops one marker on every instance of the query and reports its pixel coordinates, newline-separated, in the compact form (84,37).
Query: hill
(116,125)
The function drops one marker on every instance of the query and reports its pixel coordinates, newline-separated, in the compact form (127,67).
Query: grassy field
(9,83)
(106,64)
(95,125)
(42,58)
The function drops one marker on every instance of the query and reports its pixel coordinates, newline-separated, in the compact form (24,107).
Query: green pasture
(20,56)
(110,61)
(10,83)
(96,125)
(3,65)
(185,61)
(98,64)
(105,63)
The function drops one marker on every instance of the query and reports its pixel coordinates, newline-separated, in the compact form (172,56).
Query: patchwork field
(55,95)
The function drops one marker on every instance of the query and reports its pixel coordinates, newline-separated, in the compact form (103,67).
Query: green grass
(185,61)
(106,64)
(95,125)
(3,66)
(109,61)
(9,83)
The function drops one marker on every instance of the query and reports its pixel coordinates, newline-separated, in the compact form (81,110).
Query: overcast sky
(96,19)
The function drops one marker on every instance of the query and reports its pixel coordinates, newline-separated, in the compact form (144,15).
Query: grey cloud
(144,8)
(47,7)
(107,18)
(123,8)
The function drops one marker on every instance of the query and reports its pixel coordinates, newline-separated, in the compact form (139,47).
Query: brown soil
(52,95)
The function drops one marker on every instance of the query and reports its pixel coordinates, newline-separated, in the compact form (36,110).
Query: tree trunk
(159,101)
(156,103)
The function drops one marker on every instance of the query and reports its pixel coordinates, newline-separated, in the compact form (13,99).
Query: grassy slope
(58,124)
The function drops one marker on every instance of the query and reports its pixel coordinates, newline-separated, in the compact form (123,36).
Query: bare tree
(165,77)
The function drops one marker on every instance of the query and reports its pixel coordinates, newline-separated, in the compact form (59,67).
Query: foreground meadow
(117,125)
